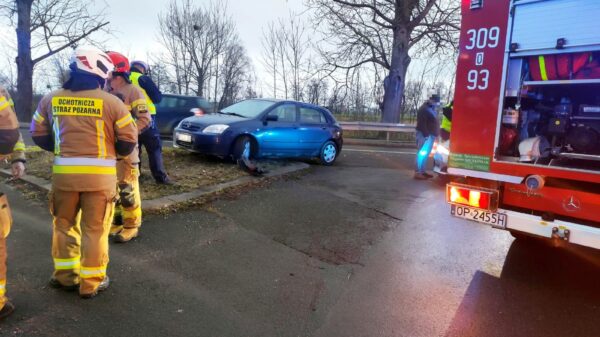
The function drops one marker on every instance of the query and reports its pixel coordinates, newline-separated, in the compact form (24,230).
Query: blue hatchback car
(266,128)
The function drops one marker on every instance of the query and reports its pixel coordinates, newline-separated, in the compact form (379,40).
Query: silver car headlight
(216,129)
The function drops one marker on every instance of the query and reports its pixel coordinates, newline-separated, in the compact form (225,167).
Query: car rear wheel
(328,153)
(244,146)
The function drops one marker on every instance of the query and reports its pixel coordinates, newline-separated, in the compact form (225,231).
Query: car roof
(278,100)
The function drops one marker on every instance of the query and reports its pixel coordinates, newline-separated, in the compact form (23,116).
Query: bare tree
(295,50)
(285,55)
(160,75)
(235,74)
(384,32)
(270,51)
(172,33)
(197,39)
(316,91)
(44,28)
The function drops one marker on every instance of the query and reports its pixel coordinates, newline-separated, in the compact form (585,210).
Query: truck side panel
(478,84)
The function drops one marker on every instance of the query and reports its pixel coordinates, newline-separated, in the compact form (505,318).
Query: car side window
(285,113)
(168,102)
(311,116)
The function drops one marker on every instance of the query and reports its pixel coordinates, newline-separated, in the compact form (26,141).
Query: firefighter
(446,125)
(11,146)
(150,138)
(86,128)
(128,213)
(426,132)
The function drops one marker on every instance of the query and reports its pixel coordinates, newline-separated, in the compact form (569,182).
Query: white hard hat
(93,61)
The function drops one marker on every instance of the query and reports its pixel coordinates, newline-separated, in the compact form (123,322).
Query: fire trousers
(129,205)
(80,236)
(5,224)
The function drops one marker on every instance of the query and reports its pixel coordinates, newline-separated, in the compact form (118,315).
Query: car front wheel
(328,153)
(244,146)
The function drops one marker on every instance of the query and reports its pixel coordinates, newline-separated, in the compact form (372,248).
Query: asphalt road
(357,249)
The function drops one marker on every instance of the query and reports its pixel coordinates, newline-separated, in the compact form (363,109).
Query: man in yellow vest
(11,146)
(446,126)
(150,138)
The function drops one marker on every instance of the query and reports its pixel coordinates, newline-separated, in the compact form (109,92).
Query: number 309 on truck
(525,141)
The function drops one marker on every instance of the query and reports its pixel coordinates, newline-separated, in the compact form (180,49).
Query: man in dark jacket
(150,138)
(427,130)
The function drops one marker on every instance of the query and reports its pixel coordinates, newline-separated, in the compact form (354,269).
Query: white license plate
(491,218)
(184,137)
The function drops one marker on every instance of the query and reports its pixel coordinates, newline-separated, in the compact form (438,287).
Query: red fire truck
(525,142)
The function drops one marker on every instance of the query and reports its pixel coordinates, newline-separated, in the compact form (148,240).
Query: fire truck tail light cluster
(472,196)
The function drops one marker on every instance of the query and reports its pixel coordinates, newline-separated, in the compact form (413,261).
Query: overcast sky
(135,23)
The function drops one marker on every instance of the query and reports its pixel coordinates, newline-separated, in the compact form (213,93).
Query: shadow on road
(542,291)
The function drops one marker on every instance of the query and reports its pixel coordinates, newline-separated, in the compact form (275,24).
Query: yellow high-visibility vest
(134,77)
(446,124)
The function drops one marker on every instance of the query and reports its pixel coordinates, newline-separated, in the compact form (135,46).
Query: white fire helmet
(93,61)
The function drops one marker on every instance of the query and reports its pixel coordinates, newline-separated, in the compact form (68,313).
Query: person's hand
(18,170)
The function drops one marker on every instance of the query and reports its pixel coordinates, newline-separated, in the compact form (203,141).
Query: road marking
(378,151)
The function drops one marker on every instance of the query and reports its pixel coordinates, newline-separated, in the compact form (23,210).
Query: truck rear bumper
(579,234)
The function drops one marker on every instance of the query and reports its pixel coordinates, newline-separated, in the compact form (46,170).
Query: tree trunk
(395,81)
(24,97)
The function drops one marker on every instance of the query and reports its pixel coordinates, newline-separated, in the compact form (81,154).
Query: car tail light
(471,196)
(197,112)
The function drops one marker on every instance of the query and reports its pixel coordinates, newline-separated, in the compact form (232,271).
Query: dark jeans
(150,139)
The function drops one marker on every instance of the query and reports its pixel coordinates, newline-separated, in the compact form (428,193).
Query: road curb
(164,202)
(33,180)
(170,200)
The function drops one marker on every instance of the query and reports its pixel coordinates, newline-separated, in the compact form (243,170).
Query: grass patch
(188,170)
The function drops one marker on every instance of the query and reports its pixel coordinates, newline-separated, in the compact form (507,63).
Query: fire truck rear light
(475,197)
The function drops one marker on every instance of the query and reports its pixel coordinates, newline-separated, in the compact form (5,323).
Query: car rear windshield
(249,108)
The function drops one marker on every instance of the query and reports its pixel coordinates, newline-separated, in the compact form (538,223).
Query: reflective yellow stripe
(56,131)
(101,139)
(134,214)
(20,146)
(87,272)
(4,104)
(2,287)
(139,102)
(66,264)
(542,62)
(38,117)
(123,122)
(61,169)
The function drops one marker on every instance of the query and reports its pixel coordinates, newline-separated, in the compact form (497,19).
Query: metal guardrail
(372,126)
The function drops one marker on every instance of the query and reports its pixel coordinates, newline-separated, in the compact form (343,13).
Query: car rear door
(313,130)
(280,138)
(165,111)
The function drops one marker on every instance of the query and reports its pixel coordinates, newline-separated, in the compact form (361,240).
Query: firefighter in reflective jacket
(11,146)
(150,138)
(86,128)
(128,213)
(446,125)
